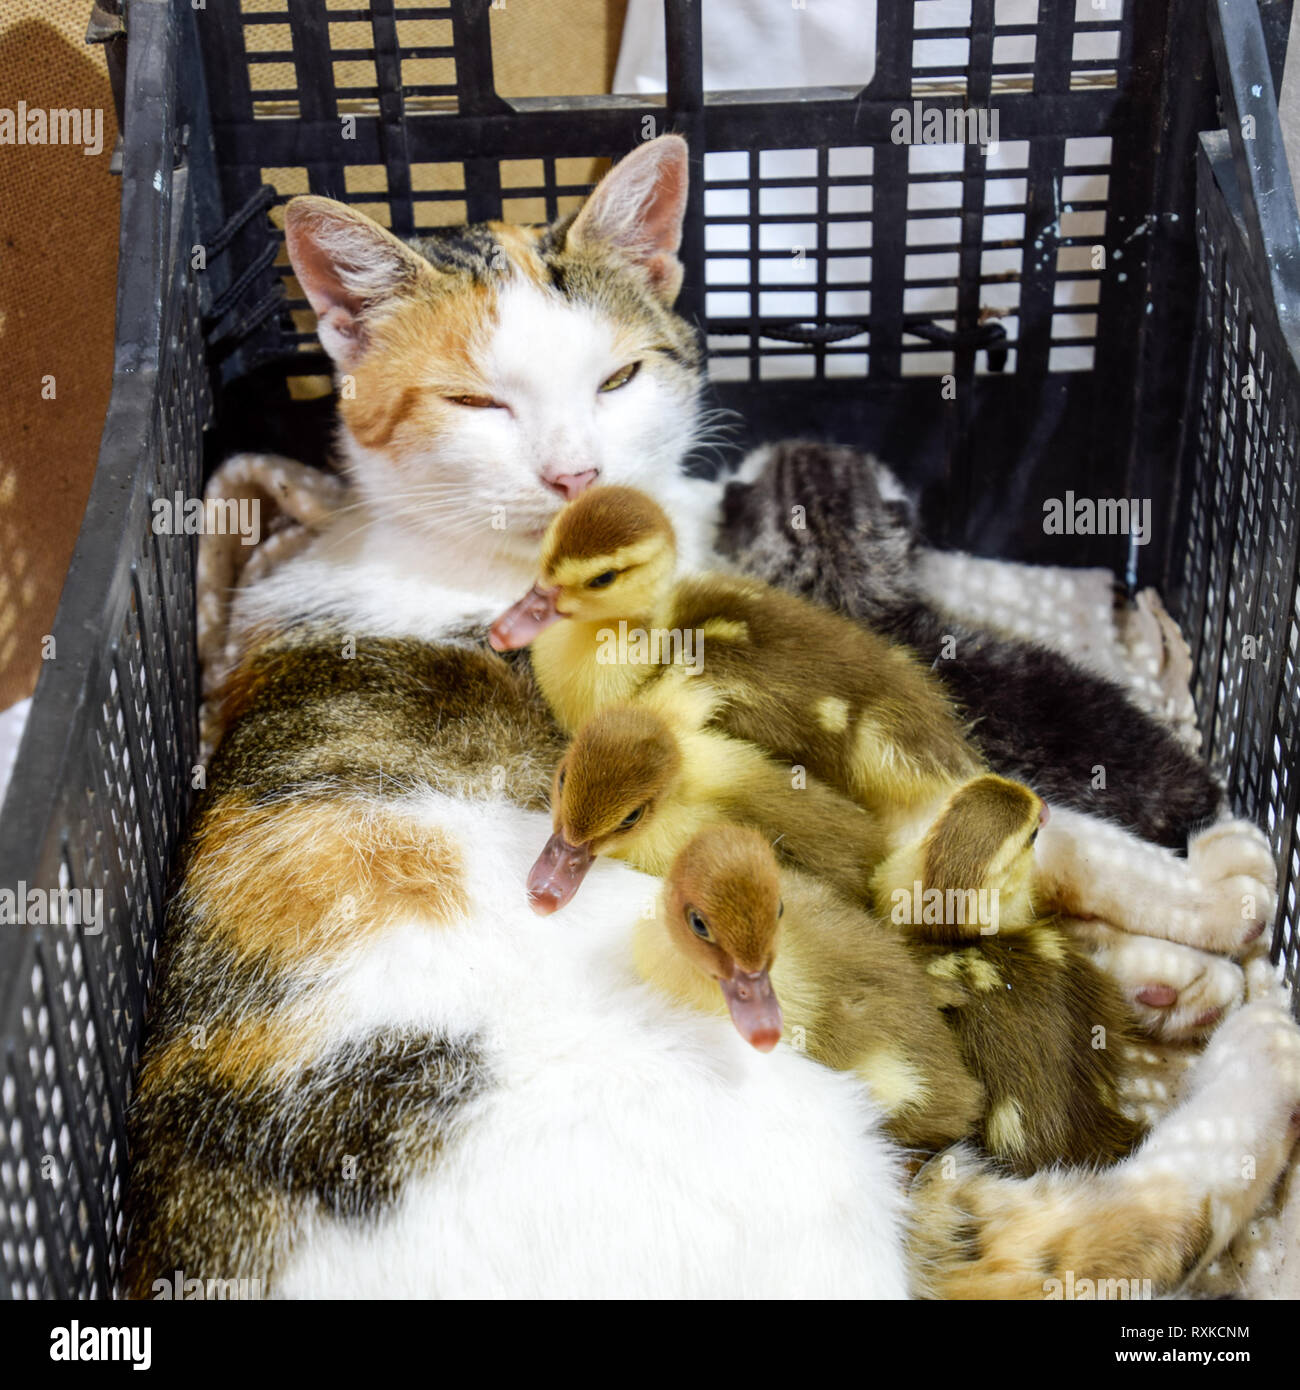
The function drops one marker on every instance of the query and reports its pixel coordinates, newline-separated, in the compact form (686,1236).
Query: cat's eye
(620,377)
(559,781)
(631,818)
(698,925)
(476,402)
(603,581)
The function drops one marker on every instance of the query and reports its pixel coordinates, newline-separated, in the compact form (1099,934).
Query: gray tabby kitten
(1037,716)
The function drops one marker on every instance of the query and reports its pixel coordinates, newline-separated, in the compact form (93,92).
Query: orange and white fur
(591,1157)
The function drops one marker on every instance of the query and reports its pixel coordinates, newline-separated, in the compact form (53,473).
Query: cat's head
(489,373)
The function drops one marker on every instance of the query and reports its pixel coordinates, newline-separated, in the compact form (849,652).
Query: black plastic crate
(903,261)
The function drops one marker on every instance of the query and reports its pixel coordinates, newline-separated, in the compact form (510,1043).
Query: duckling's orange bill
(754,1007)
(521,622)
(557,874)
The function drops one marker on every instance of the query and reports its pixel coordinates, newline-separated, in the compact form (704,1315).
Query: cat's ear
(346,264)
(637,208)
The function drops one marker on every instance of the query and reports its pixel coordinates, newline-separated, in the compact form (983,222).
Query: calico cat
(1037,716)
(369,1071)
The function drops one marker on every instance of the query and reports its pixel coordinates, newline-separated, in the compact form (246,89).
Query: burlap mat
(58,269)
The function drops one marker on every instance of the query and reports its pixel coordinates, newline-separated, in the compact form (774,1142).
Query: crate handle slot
(989,335)
(811,333)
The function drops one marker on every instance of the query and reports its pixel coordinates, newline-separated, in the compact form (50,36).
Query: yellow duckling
(1039,1024)
(783,952)
(974,864)
(610,556)
(608,618)
(637,787)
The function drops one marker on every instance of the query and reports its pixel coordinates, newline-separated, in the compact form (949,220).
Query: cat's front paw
(1189,1009)
(1176,992)
(1235,881)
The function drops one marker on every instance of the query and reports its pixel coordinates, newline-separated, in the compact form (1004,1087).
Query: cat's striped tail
(1141,1228)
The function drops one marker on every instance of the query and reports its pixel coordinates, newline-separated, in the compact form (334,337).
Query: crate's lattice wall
(67,1072)
(1234,580)
(102,785)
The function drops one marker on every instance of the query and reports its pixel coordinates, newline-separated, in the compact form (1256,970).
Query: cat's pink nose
(569,485)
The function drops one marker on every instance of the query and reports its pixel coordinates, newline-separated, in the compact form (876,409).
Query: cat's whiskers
(455,509)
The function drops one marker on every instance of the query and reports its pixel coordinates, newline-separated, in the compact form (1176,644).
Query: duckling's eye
(698,925)
(603,581)
(631,818)
(780,909)
(1034,835)
(476,402)
(559,782)
(620,377)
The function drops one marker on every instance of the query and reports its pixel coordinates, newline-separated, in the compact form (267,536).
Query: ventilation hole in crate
(425,32)
(269,37)
(275,82)
(525,210)
(351,39)
(1075,293)
(1088,152)
(1004,229)
(356,83)
(521,173)
(287,182)
(934,232)
(937,196)
(429,73)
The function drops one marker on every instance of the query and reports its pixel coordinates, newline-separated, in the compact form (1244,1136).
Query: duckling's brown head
(609,555)
(984,839)
(723,907)
(606,792)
